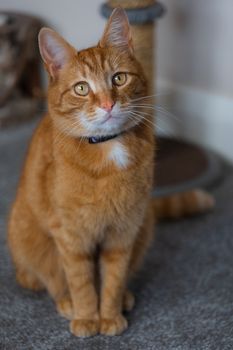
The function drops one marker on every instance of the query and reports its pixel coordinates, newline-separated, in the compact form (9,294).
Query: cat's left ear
(117,32)
(55,51)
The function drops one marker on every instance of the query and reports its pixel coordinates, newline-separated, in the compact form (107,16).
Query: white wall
(195,60)
(195,69)
(78,21)
(195,44)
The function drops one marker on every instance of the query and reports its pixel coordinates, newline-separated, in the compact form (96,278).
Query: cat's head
(93,92)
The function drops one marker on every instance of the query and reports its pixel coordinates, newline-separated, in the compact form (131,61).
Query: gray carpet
(184,291)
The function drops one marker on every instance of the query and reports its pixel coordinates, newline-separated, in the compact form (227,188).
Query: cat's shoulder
(41,138)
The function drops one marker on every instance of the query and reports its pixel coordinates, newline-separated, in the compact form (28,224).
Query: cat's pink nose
(107,105)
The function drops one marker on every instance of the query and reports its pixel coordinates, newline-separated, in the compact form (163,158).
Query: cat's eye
(119,79)
(82,88)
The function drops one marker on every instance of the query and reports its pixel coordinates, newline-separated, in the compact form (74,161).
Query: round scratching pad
(182,166)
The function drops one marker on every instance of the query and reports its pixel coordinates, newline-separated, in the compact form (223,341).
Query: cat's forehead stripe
(87,63)
(98,61)
(93,68)
(95,62)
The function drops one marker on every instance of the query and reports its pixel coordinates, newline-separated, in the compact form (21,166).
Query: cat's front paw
(113,326)
(84,328)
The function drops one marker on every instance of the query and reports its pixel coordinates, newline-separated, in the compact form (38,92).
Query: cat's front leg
(78,264)
(114,263)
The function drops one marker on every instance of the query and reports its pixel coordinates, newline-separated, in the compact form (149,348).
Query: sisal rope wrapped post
(142,15)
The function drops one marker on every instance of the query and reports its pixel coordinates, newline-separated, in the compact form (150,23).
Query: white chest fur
(119,154)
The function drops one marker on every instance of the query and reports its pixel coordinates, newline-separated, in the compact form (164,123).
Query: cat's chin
(113,126)
(110,129)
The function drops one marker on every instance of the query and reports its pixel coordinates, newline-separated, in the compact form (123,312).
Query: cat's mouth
(109,118)
(113,122)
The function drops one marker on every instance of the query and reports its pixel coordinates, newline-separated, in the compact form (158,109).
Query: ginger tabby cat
(83,217)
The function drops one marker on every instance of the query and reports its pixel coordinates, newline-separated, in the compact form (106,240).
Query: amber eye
(119,79)
(82,88)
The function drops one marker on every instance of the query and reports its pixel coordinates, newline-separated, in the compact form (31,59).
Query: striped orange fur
(82,207)
(183,204)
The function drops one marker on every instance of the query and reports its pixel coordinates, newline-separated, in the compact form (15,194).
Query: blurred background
(194,58)
(185,290)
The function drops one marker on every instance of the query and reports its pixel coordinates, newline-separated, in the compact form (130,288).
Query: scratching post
(180,165)
(142,15)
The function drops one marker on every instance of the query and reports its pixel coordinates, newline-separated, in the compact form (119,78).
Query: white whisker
(148,97)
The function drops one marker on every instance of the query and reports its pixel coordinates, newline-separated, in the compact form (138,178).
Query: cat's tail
(183,204)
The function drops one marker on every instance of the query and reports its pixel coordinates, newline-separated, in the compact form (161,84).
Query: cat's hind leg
(141,245)
(28,280)
(143,241)
(128,301)
(36,258)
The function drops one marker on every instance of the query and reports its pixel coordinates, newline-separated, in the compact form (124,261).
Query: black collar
(98,139)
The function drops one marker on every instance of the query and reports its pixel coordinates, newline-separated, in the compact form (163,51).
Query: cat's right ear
(117,32)
(54,50)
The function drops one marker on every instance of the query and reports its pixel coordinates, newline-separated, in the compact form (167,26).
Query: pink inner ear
(117,32)
(54,50)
